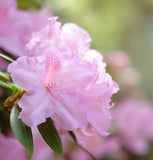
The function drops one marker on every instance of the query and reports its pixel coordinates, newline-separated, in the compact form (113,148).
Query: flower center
(52,67)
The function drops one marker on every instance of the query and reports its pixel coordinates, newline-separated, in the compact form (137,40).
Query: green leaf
(29,4)
(72,134)
(21,131)
(5,84)
(6,57)
(51,136)
(4,77)
(10,85)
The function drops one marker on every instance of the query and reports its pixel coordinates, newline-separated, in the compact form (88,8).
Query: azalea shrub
(57,97)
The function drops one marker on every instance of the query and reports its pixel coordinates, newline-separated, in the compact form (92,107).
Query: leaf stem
(73,136)
(5,84)
(6,57)
(86,151)
(29,157)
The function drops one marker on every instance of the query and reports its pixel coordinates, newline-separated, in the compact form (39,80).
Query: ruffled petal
(27,73)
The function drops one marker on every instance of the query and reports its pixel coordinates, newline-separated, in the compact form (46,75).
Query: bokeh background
(116,25)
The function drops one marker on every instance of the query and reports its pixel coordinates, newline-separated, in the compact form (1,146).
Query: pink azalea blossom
(64,80)
(41,150)
(99,146)
(133,120)
(70,39)
(79,154)
(124,80)
(53,86)
(41,42)
(118,59)
(16,26)
(10,148)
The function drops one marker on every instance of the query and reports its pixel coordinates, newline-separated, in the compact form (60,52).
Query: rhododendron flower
(16,26)
(64,80)
(41,150)
(69,38)
(10,148)
(118,60)
(133,121)
(99,146)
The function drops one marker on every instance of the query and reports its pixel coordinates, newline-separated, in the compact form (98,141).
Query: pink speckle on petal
(52,65)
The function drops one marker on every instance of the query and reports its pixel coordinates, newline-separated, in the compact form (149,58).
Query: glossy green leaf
(4,77)
(72,134)
(51,136)
(21,131)
(10,85)
(5,84)
(29,4)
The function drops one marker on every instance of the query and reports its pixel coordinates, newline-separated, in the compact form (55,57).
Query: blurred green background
(124,25)
(114,25)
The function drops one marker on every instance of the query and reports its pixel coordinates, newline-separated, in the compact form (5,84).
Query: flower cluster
(138,116)
(41,150)
(64,79)
(16,26)
(13,149)
(62,92)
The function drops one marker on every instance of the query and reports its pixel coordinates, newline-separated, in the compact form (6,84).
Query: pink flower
(118,60)
(133,120)
(10,148)
(79,154)
(98,146)
(41,150)
(41,42)
(16,26)
(66,81)
(76,38)
(70,39)
(53,85)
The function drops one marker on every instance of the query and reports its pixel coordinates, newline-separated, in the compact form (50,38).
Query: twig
(87,152)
